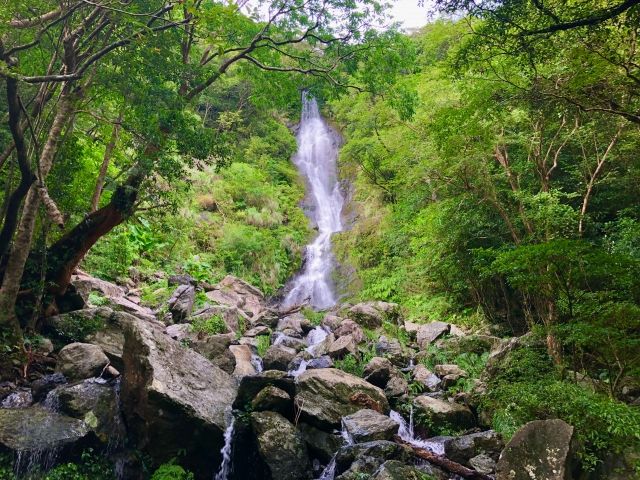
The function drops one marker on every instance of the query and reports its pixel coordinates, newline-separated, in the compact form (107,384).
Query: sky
(409,13)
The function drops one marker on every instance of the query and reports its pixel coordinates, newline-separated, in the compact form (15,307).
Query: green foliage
(263,342)
(76,327)
(355,364)
(90,466)
(97,300)
(211,326)
(171,471)
(314,317)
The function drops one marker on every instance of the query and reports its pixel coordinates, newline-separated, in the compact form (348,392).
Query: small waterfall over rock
(225,466)
(316,161)
(407,434)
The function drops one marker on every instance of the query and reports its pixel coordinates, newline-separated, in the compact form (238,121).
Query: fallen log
(443,462)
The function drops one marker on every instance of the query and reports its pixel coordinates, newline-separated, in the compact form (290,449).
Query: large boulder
(378,371)
(321,444)
(324,396)
(361,460)
(278,357)
(96,404)
(372,314)
(174,399)
(111,338)
(281,446)
(35,435)
(366,425)
(463,448)
(395,470)
(273,399)
(426,378)
(430,332)
(441,412)
(342,346)
(181,303)
(250,386)
(244,360)
(349,327)
(391,348)
(77,361)
(540,450)
(234,318)
(233,292)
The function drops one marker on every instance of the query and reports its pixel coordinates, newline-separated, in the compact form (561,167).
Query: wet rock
(175,394)
(483,464)
(181,303)
(274,399)
(244,360)
(39,434)
(20,398)
(42,386)
(96,404)
(296,322)
(349,327)
(281,446)
(540,450)
(462,449)
(378,371)
(289,341)
(426,378)
(430,332)
(234,292)
(441,412)
(321,444)
(366,425)
(77,361)
(397,386)
(278,357)
(392,349)
(363,459)
(324,396)
(371,314)
(452,369)
(342,346)
(251,386)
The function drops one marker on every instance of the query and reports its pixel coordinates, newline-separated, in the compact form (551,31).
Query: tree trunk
(102,175)
(22,243)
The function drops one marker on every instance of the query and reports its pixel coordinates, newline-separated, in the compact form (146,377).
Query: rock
(441,412)
(244,360)
(363,459)
(456,331)
(180,332)
(258,331)
(349,327)
(397,386)
(540,450)
(216,349)
(251,386)
(183,279)
(371,314)
(42,386)
(278,357)
(378,371)
(77,361)
(462,449)
(97,405)
(431,332)
(233,318)
(44,347)
(234,292)
(342,346)
(391,349)
(452,369)
(20,398)
(295,322)
(321,362)
(175,394)
(324,396)
(111,338)
(483,464)
(395,470)
(449,381)
(320,443)
(426,378)
(273,399)
(36,432)
(412,329)
(281,446)
(287,340)
(181,303)
(366,425)
(332,321)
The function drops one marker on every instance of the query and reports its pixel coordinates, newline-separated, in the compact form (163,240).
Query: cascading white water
(406,433)
(316,160)
(225,466)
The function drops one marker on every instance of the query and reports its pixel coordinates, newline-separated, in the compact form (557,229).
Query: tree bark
(102,174)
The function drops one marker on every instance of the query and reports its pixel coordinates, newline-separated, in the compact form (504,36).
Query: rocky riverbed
(266,396)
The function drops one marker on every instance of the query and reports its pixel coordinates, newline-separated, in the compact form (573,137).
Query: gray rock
(252,385)
(366,425)
(395,470)
(20,398)
(361,460)
(278,357)
(430,332)
(372,314)
(258,331)
(392,349)
(540,450)
(321,362)
(183,279)
(172,393)
(378,371)
(181,303)
(483,464)
(396,387)
(426,378)
(441,412)
(273,399)
(342,346)
(77,361)
(462,449)
(216,349)
(234,292)
(111,338)
(281,446)
(332,321)
(244,360)
(42,386)
(449,369)
(320,443)
(324,396)
(349,327)
(233,318)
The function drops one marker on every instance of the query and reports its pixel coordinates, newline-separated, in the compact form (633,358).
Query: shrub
(263,344)
(75,326)
(171,471)
(211,326)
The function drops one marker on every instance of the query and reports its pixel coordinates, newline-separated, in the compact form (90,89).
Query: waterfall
(329,472)
(314,339)
(225,466)
(316,161)
(406,433)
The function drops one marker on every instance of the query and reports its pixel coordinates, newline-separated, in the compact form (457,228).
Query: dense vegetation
(493,162)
